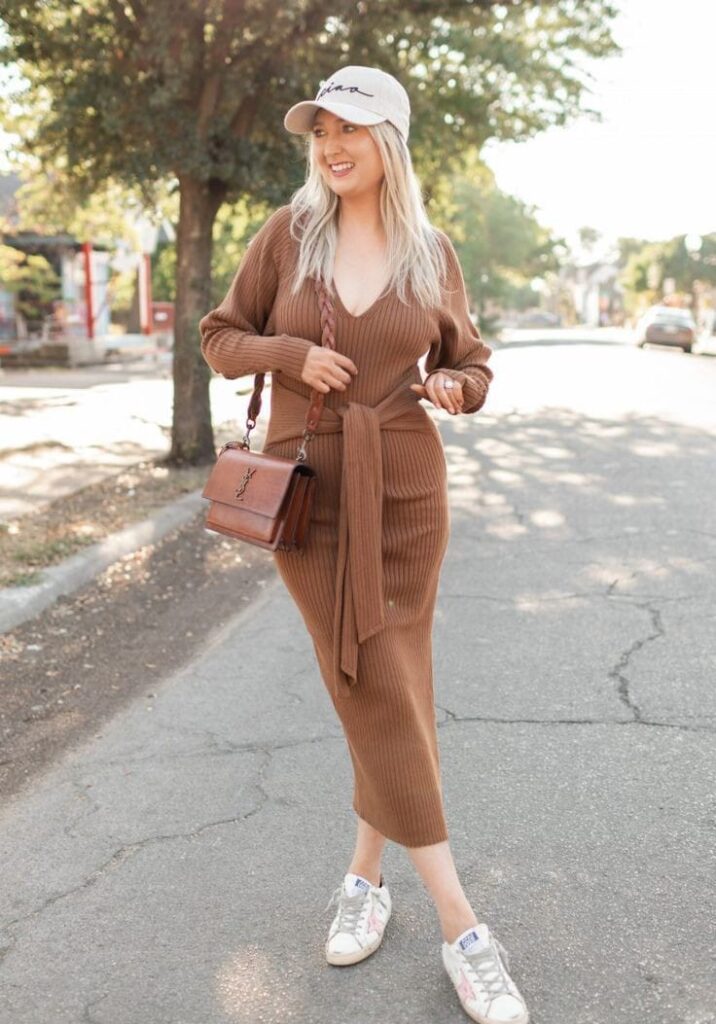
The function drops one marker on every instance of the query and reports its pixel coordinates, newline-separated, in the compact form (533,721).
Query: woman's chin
(338,186)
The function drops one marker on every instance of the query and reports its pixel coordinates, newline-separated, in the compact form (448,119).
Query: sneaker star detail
(476,963)
(363,912)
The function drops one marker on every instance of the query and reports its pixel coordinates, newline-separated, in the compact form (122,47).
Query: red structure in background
(89,311)
(145,294)
(163,316)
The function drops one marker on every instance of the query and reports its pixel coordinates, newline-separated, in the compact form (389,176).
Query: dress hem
(402,839)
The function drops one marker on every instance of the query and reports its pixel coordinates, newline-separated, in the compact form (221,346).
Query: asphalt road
(175,867)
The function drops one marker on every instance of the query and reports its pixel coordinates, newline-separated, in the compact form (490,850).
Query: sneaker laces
(489,969)
(350,908)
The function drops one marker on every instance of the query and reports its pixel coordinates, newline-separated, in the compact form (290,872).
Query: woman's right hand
(324,369)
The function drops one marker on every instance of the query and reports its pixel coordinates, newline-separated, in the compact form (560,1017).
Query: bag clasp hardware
(301,454)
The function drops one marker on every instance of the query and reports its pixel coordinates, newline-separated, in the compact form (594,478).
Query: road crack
(618,671)
(453,717)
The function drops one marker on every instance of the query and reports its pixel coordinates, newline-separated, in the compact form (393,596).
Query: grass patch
(46,537)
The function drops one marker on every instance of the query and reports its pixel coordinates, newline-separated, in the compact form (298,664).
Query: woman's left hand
(434,389)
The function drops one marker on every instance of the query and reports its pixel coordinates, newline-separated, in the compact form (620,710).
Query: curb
(18,604)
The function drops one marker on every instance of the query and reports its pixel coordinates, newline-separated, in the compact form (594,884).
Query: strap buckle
(250,424)
(301,454)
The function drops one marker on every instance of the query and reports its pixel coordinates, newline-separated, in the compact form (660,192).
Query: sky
(648,170)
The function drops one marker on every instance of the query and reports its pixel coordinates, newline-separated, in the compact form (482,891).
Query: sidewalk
(175,869)
(60,496)
(64,429)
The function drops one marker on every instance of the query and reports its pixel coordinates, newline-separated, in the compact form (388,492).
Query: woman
(366,580)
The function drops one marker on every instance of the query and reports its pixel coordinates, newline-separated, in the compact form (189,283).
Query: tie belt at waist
(359,608)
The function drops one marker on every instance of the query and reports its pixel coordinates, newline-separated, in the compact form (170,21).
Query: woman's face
(337,142)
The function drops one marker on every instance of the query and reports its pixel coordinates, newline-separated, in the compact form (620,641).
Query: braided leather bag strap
(328,340)
(315,407)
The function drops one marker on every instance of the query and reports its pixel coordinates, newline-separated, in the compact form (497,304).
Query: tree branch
(240,125)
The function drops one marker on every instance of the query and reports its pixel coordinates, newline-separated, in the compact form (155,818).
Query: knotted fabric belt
(360,608)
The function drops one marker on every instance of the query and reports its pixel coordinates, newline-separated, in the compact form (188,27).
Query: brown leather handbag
(266,499)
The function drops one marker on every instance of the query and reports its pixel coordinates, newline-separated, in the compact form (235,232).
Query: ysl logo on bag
(244,482)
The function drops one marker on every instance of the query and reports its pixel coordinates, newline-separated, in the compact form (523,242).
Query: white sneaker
(363,912)
(474,962)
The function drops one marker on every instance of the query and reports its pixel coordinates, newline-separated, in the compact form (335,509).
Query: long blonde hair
(415,255)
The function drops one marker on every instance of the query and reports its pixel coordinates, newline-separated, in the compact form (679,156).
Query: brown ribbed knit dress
(366,581)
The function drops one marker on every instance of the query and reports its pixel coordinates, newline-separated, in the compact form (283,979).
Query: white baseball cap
(358,94)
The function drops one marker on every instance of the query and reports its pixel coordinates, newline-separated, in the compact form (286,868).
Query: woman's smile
(341,169)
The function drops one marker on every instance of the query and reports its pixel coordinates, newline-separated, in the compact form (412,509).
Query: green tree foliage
(48,202)
(235,225)
(33,281)
(685,267)
(646,265)
(501,245)
(588,238)
(642,275)
(195,91)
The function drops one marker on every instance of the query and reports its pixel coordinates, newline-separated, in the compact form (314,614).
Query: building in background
(597,297)
(78,317)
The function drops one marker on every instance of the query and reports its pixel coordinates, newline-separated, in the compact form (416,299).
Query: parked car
(666,325)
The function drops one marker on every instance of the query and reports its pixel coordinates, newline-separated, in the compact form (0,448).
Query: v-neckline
(358,316)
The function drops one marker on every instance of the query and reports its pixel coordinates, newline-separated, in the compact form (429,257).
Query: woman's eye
(317,132)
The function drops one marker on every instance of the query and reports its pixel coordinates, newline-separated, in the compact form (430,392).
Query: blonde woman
(366,581)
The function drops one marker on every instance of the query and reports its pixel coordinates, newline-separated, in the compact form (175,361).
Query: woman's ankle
(369,871)
(455,924)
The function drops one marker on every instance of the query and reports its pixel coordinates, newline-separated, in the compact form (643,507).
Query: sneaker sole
(344,959)
(474,1015)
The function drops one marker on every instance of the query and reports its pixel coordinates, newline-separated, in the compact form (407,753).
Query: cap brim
(299,118)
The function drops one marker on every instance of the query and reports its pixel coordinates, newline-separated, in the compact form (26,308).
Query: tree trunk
(192,431)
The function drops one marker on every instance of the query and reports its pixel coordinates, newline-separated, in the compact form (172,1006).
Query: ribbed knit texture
(380,501)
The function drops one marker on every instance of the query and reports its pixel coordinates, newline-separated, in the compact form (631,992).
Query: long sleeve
(461,352)
(232,342)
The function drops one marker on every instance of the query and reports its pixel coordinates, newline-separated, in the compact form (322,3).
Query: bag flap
(251,480)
